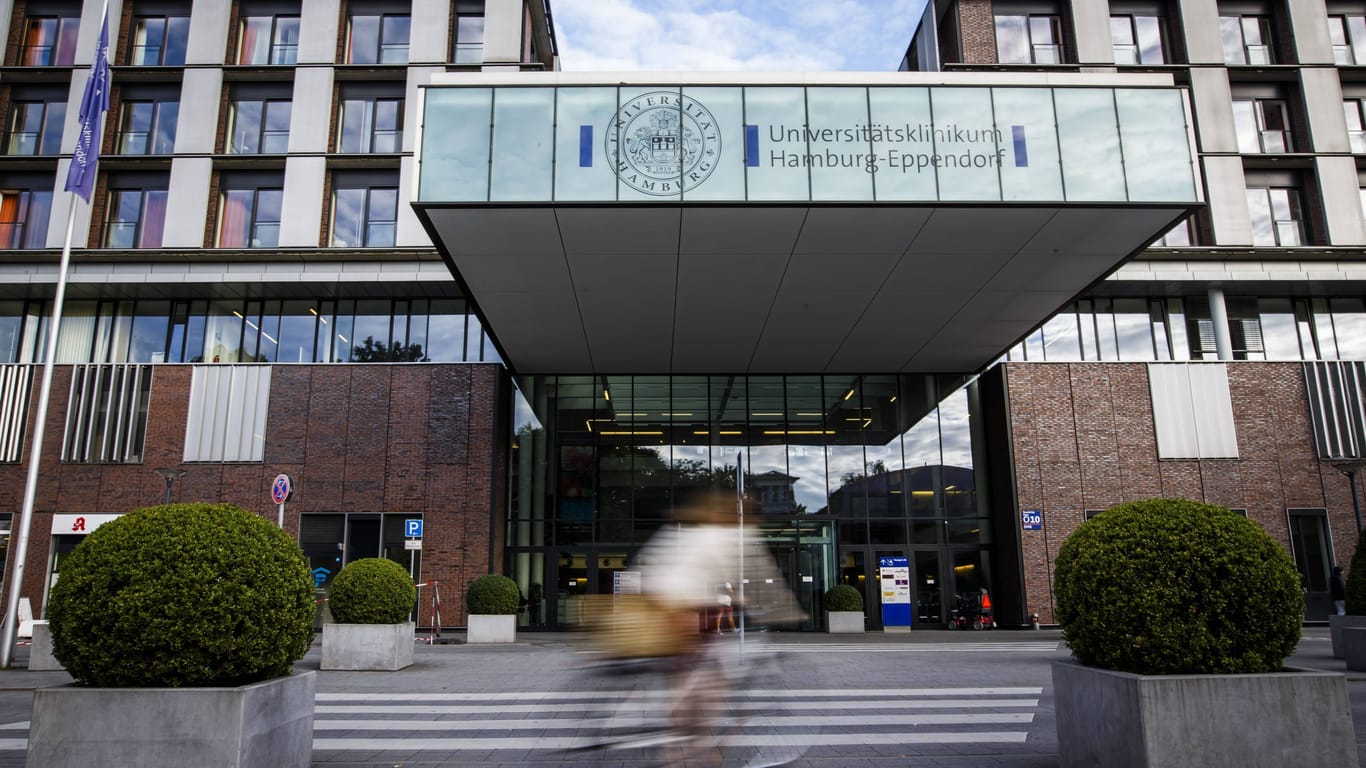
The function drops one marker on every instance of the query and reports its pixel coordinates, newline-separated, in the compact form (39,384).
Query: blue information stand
(896,593)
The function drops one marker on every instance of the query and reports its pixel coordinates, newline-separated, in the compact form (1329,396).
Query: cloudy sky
(757,35)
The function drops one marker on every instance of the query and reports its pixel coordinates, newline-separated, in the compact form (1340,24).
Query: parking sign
(412,528)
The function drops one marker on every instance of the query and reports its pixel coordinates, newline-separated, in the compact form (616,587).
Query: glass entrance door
(928,582)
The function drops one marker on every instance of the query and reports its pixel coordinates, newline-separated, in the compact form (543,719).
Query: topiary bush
(493,595)
(1169,586)
(182,595)
(373,590)
(1356,579)
(842,597)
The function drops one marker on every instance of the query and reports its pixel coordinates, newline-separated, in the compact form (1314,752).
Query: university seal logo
(661,143)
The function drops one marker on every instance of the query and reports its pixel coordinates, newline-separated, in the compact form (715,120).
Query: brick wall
(977,26)
(399,439)
(1083,437)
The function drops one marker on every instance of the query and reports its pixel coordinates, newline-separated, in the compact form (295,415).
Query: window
(50,41)
(269,40)
(134,218)
(370,124)
(147,122)
(24,217)
(1263,126)
(1247,39)
(1032,39)
(1192,411)
(1348,35)
(227,413)
(1277,216)
(258,122)
(36,122)
(469,34)
(364,209)
(1353,110)
(158,41)
(379,39)
(1138,39)
(1179,236)
(249,210)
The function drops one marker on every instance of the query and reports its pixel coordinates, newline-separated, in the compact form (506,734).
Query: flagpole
(80,181)
(35,452)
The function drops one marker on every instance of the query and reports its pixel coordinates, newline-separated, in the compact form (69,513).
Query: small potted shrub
(843,610)
(178,621)
(371,600)
(492,602)
(1180,616)
(1355,602)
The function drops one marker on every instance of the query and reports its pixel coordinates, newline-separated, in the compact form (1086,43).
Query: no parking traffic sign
(281,489)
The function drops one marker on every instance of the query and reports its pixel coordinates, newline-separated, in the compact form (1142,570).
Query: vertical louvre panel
(104,413)
(228,407)
(1337,406)
(1192,411)
(16,381)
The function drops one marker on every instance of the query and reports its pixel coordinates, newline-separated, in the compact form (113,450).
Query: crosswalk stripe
(921,648)
(765,721)
(841,694)
(474,709)
(523,743)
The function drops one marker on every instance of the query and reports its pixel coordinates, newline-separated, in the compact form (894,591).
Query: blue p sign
(412,528)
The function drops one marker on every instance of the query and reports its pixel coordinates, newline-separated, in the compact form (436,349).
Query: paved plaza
(931,698)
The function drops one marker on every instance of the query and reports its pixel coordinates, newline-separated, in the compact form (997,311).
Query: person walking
(1338,589)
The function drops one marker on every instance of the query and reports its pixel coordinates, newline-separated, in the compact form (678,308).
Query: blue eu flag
(81,178)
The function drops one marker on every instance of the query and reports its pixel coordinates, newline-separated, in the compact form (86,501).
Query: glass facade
(281,330)
(838,471)
(794,143)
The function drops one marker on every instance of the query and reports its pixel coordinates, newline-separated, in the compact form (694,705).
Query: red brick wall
(977,27)
(1083,438)
(405,439)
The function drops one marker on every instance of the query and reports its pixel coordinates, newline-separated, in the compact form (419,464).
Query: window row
(369,119)
(1148,35)
(264,34)
(1182,328)
(347,330)
(1278,212)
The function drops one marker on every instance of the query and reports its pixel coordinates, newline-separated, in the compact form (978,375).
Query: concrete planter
(492,629)
(1121,720)
(40,658)
(1335,626)
(262,725)
(368,647)
(844,622)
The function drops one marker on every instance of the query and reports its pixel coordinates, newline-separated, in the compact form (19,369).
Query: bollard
(1034,617)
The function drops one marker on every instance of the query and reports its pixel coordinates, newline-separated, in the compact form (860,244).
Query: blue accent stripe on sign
(752,146)
(585,146)
(1021,152)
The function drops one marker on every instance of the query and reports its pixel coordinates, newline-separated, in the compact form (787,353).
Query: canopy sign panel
(804,144)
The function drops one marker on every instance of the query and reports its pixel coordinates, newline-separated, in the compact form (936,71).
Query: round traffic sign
(281,489)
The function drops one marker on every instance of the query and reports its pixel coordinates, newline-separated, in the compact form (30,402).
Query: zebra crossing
(960,647)
(530,722)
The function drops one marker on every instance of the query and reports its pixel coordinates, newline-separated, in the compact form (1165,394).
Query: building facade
(309,253)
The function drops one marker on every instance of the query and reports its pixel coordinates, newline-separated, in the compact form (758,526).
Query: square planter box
(1335,626)
(40,658)
(844,622)
(491,629)
(1121,720)
(368,647)
(262,725)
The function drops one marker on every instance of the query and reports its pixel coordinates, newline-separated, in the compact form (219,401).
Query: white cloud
(755,35)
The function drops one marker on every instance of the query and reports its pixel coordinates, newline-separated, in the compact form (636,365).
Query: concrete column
(1218,312)
(1200,22)
(417,76)
(1340,191)
(187,202)
(410,231)
(429,41)
(1323,107)
(1309,27)
(1091,20)
(1227,190)
(318,31)
(311,115)
(208,39)
(301,213)
(61,204)
(1214,104)
(502,32)
(6,11)
(200,96)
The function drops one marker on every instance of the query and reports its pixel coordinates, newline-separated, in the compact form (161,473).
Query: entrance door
(1313,553)
(928,582)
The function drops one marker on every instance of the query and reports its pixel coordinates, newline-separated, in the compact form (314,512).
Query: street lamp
(172,474)
(1350,468)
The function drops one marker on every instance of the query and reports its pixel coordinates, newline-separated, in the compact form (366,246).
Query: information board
(896,593)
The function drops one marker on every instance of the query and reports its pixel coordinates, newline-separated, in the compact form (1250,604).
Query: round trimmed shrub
(372,590)
(842,597)
(493,595)
(182,595)
(1356,579)
(1170,586)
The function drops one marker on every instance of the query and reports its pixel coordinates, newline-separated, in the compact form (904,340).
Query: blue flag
(81,178)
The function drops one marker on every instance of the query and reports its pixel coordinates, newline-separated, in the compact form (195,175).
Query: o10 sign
(1031,520)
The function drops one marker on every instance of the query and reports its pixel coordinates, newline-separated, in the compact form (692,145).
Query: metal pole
(1356,505)
(740,525)
(168,490)
(7,636)
(280,516)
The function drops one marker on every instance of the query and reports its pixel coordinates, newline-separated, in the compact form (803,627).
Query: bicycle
(698,709)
